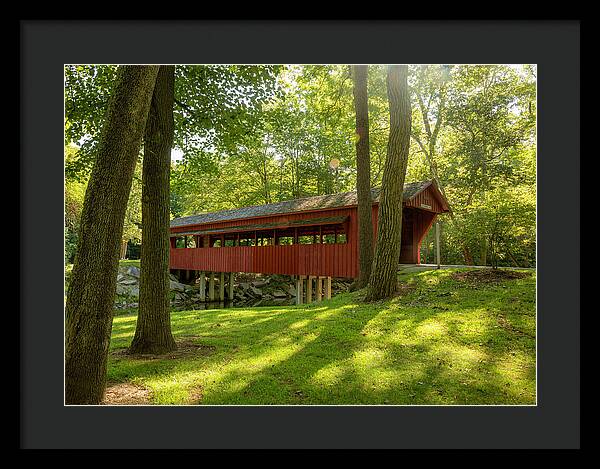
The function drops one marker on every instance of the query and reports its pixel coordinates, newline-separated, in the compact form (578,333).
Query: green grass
(443,341)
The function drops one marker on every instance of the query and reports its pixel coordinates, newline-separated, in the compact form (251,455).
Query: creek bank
(249,290)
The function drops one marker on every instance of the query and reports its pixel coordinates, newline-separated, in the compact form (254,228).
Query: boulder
(127,290)
(177,286)
(279,294)
(129,281)
(134,271)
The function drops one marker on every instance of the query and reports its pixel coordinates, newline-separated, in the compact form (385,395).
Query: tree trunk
(383,280)
(363,175)
(90,302)
(153,328)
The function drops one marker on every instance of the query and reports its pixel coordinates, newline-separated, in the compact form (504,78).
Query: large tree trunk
(363,175)
(153,328)
(383,280)
(90,302)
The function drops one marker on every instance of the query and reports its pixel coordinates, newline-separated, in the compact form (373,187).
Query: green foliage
(252,135)
(74,196)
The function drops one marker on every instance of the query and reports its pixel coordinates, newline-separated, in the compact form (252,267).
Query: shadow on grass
(443,342)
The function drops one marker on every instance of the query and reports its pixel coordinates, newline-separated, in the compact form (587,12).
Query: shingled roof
(343,199)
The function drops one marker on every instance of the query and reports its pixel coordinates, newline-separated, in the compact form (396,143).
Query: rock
(260,283)
(176,286)
(125,290)
(256,291)
(134,271)
(291,290)
(172,277)
(129,281)
(279,294)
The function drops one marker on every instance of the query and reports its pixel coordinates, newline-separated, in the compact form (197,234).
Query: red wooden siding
(333,260)
(426,200)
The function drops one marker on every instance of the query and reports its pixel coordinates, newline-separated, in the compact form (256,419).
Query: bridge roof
(307,204)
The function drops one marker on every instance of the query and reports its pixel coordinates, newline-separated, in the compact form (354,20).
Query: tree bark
(363,175)
(90,301)
(153,328)
(383,280)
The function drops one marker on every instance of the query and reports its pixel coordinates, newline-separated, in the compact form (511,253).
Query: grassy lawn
(444,340)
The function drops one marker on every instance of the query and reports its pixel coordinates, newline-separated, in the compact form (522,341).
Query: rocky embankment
(249,290)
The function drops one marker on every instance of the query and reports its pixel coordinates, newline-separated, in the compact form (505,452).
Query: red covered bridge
(314,236)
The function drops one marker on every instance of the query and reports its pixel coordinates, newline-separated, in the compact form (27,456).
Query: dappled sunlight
(299,324)
(431,329)
(236,374)
(516,366)
(461,358)
(447,344)
(329,375)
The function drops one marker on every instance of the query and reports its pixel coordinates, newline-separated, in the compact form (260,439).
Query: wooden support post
(319,288)
(222,286)
(328,288)
(202,286)
(206,241)
(230,286)
(211,287)
(299,292)
(309,288)
(437,243)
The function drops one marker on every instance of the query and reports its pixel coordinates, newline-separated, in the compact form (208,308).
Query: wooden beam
(202,286)
(299,292)
(328,288)
(222,286)
(319,288)
(437,243)
(309,288)
(211,287)
(230,286)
